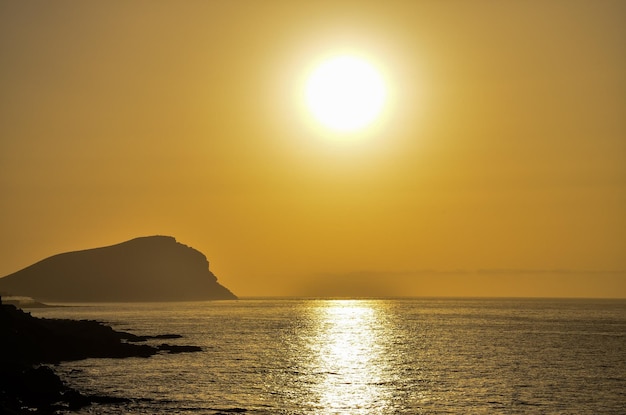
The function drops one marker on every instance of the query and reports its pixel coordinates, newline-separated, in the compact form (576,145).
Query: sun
(345,93)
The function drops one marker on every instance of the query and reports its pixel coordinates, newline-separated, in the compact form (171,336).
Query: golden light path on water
(348,357)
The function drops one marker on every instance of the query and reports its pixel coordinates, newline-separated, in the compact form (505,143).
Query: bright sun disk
(345,93)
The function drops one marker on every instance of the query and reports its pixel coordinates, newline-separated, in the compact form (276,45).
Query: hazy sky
(497,168)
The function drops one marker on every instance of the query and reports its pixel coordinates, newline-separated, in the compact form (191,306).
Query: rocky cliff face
(154,268)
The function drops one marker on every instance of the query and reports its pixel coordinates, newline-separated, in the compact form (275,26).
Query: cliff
(154,268)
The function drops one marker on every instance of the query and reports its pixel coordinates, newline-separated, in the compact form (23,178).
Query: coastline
(29,386)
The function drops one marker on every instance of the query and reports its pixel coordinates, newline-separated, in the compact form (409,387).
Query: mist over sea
(387,356)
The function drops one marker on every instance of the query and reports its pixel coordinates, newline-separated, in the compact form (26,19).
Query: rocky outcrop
(154,268)
(26,387)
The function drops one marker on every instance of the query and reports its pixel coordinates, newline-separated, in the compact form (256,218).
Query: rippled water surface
(418,356)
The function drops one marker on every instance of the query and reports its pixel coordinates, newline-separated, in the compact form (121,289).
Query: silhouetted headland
(153,268)
(28,342)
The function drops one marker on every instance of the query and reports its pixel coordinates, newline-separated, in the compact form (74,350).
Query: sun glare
(349,357)
(345,93)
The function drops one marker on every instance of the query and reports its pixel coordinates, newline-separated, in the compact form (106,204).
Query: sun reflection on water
(348,358)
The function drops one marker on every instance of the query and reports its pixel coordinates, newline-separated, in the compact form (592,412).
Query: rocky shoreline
(28,386)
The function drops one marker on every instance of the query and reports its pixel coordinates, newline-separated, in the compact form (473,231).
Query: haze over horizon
(496,168)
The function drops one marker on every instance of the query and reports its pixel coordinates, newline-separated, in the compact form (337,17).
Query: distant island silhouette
(152,268)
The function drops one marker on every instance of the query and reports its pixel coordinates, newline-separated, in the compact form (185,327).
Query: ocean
(370,356)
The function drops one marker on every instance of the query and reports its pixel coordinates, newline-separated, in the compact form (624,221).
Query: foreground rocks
(27,387)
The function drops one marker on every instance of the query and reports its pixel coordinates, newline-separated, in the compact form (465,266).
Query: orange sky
(498,167)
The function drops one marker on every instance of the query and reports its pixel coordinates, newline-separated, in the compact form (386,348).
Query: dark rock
(179,349)
(27,342)
(34,340)
(157,337)
(164,336)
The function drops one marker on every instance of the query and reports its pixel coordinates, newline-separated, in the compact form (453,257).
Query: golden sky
(498,166)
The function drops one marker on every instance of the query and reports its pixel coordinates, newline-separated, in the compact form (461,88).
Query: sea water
(383,356)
